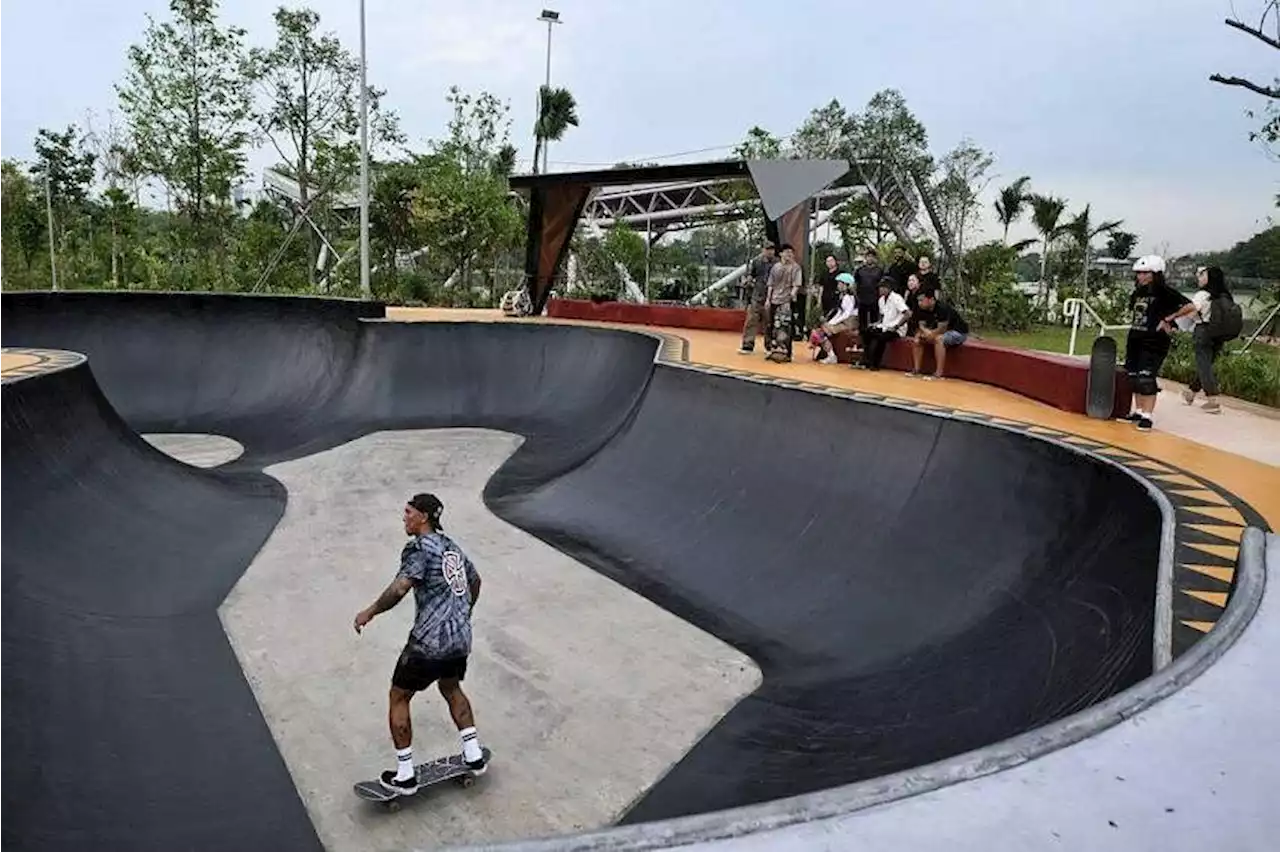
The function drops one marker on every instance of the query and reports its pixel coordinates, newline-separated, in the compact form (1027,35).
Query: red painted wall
(673,316)
(1053,379)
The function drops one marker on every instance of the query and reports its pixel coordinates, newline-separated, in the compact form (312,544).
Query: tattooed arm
(390,596)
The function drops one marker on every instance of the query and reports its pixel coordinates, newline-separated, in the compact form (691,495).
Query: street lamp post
(551,17)
(365,287)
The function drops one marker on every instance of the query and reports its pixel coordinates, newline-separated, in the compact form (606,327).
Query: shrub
(1252,376)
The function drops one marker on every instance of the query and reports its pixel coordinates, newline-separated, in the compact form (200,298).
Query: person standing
(929,279)
(867,276)
(785,280)
(446,586)
(1207,335)
(901,269)
(829,287)
(757,305)
(1153,308)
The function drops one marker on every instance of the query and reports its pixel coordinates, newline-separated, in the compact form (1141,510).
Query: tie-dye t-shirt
(441,575)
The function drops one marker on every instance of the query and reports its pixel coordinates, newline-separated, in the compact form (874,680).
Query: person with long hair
(1154,306)
(1213,286)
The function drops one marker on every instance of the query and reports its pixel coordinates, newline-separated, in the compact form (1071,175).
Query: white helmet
(1149,263)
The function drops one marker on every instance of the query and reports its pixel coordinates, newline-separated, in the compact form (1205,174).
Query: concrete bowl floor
(586,692)
(196,449)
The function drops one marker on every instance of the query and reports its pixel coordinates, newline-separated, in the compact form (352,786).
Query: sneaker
(407,787)
(477,767)
(1211,407)
(746,350)
(1145,424)
(1131,417)
(1188,395)
(830,359)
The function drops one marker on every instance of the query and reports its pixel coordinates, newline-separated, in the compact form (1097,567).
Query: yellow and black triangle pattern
(1209,520)
(35,362)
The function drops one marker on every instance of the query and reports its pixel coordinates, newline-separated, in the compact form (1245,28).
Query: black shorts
(415,672)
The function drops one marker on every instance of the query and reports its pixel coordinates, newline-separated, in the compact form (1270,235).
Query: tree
(1045,213)
(1120,244)
(826,133)
(16,204)
(186,97)
(310,86)
(887,130)
(461,207)
(118,162)
(964,177)
(1083,231)
(66,169)
(1269,133)
(1010,204)
(557,112)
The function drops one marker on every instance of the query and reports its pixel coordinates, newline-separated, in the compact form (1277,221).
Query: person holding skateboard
(445,587)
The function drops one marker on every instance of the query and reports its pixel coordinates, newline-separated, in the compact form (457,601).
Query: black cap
(429,505)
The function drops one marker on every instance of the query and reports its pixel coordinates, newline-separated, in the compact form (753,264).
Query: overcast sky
(1100,101)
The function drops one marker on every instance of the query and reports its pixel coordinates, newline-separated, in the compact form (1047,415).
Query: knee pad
(1144,383)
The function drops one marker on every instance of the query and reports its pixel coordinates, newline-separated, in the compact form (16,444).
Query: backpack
(1226,320)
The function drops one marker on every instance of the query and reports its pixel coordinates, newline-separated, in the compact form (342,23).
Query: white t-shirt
(848,307)
(1201,300)
(893,308)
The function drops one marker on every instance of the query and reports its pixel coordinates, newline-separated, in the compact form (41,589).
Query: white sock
(404,764)
(470,744)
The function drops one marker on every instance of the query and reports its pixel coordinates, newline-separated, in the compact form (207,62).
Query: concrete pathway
(586,692)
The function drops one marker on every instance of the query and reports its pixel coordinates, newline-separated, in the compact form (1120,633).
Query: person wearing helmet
(445,588)
(844,319)
(1154,307)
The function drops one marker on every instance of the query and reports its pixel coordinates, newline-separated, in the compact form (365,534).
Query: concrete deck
(1234,449)
(587,692)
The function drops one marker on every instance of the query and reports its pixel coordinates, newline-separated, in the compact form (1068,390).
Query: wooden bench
(1057,380)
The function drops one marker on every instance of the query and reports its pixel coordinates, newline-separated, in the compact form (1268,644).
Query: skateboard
(1100,399)
(451,767)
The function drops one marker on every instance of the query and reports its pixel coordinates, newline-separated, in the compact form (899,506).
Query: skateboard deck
(1101,395)
(430,773)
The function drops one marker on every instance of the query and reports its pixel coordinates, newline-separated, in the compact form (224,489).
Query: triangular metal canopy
(782,184)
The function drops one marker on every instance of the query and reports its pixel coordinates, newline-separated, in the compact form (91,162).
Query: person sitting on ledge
(891,325)
(844,319)
(940,326)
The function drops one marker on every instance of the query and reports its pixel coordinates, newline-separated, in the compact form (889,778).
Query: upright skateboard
(433,772)
(1100,399)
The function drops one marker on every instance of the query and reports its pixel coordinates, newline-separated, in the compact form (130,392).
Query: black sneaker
(476,767)
(1145,424)
(1131,417)
(407,787)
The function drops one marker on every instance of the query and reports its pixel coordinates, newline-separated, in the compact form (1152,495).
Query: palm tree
(1082,231)
(1010,203)
(557,112)
(1046,210)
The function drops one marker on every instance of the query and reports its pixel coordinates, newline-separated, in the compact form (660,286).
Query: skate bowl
(928,599)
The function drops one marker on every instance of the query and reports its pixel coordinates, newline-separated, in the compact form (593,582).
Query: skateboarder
(1154,306)
(445,587)
(785,279)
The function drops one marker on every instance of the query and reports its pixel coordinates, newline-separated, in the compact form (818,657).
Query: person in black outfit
(867,285)
(830,287)
(928,278)
(1153,308)
(940,326)
(902,269)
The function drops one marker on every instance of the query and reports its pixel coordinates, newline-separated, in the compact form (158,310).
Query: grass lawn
(1049,338)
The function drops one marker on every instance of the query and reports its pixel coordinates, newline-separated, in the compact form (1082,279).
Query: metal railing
(1074,309)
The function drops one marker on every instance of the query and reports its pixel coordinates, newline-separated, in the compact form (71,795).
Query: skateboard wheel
(467,781)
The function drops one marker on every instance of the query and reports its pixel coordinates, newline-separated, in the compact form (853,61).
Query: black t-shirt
(942,312)
(900,272)
(827,280)
(1148,306)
